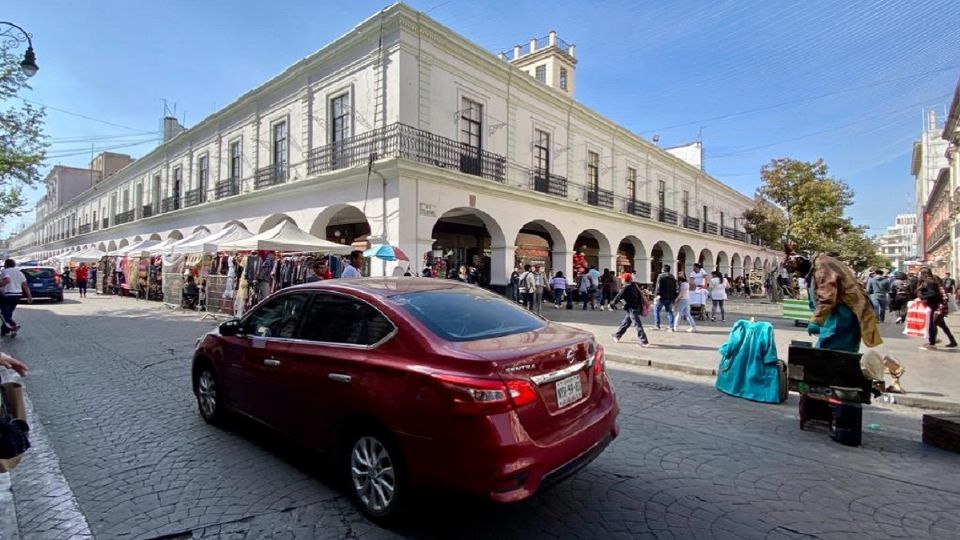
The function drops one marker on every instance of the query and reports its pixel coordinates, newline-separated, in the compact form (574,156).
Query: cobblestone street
(122,453)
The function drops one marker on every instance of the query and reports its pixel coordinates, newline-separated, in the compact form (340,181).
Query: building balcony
(146,211)
(637,208)
(227,188)
(598,197)
(193,197)
(170,204)
(711,228)
(106,223)
(691,223)
(125,217)
(403,141)
(83,229)
(665,215)
(940,235)
(728,232)
(551,184)
(271,175)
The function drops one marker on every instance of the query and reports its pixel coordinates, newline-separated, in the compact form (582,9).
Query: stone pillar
(606,260)
(642,266)
(501,266)
(562,262)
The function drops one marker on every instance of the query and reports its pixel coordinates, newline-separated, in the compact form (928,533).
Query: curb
(905,400)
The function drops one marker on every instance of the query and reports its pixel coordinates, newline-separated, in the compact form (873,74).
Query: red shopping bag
(918,320)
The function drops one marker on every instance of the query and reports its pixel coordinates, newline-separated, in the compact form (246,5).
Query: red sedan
(414,384)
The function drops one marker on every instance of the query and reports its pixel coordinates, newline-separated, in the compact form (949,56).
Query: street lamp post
(12,36)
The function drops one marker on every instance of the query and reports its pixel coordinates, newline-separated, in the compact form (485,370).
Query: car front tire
(209,396)
(377,477)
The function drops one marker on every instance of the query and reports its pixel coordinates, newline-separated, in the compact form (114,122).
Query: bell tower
(549,59)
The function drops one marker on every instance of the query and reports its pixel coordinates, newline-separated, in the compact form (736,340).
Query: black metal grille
(193,197)
(106,222)
(691,223)
(637,208)
(667,216)
(83,229)
(170,204)
(147,210)
(126,217)
(227,188)
(728,232)
(551,184)
(598,197)
(271,175)
(711,228)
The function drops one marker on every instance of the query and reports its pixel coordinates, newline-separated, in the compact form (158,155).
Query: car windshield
(467,315)
(38,273)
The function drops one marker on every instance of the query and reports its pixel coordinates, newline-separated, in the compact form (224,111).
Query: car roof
(387,287)
(35,267)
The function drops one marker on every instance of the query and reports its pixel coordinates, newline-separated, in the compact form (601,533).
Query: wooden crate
(942,431)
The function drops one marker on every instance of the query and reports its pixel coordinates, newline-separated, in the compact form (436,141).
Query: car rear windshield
(467,315)
(38,273)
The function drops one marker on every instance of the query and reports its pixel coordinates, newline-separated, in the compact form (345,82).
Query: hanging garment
(748,363)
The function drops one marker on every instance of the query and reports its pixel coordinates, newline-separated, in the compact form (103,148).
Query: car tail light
(56,278)
(473,395)
(598,360)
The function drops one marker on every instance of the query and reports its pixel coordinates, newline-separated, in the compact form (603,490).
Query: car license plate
(569,390)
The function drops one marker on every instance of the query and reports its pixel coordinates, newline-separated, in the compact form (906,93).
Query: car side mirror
(230,328)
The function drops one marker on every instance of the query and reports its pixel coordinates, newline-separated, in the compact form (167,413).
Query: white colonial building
(899,243)
(403,130)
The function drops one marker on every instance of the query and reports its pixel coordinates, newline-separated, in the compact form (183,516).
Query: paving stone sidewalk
(932,379)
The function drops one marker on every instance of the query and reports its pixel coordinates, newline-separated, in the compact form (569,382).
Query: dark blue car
(44,282)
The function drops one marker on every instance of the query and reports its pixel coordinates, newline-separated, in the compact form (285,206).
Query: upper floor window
(686,203)
(662,194)
(203,171)
(542,73)
(541,152)
(631,184)
(563,78)
(236,154)
(340,118)
(280,144)
(471,123)
(593,171)
(177,181)
(721,220)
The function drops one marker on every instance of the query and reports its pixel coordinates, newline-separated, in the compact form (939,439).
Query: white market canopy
(210,243)
(286,237)
(163,248)
(87,255)
(197,235)
(135,249)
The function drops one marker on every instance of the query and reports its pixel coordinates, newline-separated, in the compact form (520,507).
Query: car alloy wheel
(208,398)
(373,476)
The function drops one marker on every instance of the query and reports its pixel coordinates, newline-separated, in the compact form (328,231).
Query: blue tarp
(748,363)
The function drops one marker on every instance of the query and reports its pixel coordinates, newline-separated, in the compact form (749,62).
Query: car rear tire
(209,397)
(377,477)
(59,299)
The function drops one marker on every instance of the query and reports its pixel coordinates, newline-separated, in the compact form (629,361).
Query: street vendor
(842,313)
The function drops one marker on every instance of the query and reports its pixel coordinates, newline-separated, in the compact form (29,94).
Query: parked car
(414,384)
(44,282)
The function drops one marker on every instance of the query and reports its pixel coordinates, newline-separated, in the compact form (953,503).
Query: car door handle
(340,377)
(271,362)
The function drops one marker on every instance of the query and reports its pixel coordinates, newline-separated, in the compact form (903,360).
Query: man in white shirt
(356,263)
(698,276)
(14,286)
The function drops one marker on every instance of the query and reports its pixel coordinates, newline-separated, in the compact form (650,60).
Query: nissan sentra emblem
(571,356)
(521,367)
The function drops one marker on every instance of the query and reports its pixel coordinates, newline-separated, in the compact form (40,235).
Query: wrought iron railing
(665,215)
(170,204)
(106,223)
(271,175)
(146,211)
(711,228)
(598,197)
(407,142)
(551,184)
(193,197)
(940,234)
(83,229)
(125,217)
(691,223)
(728,232)
(637,208)
(227,188)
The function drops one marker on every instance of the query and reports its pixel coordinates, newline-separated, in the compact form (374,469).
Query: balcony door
(471,140)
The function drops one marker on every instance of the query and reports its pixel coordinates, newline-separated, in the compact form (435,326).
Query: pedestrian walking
(901,293)
(527,284)
(932,294)
(515,285)
(718,294)
(14,286)
(539,283)
(665,293)
(83,274)
(633,299)
(878,289)
(559,286)
(594,289)
(949,286)
(683,305)
(608,289)
(588,291)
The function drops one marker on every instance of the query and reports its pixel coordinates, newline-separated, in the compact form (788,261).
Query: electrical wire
(85,117)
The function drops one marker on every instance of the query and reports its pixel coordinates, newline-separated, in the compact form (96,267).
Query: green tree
(22,145)
(800,202)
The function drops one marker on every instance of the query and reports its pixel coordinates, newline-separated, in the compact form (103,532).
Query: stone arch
(707,260)
(660,254)
(723,263)
(138,238)
(101,246)
(123,243)
(343,224)
(156,237)
(685,259)
(461,235)
(274,220)
(632,255)
(736,265)
(200,228)
(757,263)
(540,242)
(766,266)
(596,249)
(175,234)
(112,246)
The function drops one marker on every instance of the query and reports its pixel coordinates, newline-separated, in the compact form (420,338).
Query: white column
(642,266)
(563,262)
(501,264)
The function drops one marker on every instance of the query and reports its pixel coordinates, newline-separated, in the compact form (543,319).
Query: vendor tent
(163,248)
(286,237)
(197,236)
(135,249)
(209,243)
(85,256)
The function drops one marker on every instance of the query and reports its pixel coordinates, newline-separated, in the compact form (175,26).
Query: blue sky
(846,81)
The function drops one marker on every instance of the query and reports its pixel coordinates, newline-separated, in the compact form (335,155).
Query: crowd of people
(894,293)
